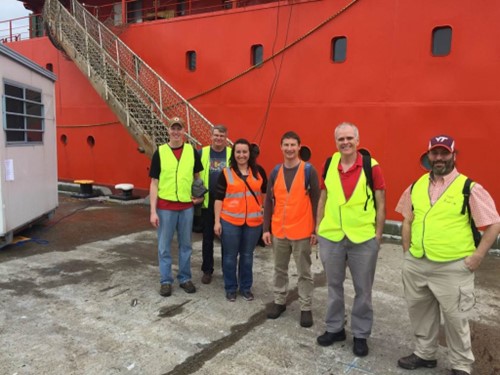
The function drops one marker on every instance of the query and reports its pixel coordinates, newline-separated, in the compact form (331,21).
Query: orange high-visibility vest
(292,214)
(239,205)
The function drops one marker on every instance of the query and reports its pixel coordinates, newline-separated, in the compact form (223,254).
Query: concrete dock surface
(80,296)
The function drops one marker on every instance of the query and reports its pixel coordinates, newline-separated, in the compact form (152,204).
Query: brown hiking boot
(275,311)
(413,362)
(188,287)
(165,290)
(206,278)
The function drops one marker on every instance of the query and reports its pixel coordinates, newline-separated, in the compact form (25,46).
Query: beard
(442,167)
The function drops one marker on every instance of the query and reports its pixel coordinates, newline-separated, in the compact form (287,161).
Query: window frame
(191,60)
(28,105)
(437,41)
(333,43)
(257,50)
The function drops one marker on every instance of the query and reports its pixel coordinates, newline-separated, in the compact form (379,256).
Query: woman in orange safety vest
(238,218)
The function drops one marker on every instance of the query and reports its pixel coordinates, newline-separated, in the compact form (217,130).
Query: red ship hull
(390,85)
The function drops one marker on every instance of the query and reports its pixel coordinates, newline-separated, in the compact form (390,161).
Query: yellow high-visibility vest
(176,176)
(354,218)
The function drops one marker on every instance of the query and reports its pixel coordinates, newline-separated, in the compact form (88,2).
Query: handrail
(163,101)
(21,28)
(161,9)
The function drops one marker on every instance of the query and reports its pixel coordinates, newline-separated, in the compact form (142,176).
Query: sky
(12,9)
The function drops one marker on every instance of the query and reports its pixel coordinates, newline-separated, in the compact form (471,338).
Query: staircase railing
(141,99)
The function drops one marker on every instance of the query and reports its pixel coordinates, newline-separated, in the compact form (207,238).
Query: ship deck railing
(115,15)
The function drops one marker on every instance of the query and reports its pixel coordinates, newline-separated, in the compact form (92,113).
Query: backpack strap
(307,179)
(274,174)
(411,189)
(466,193)
(466,207)
(367,169)
(272,178)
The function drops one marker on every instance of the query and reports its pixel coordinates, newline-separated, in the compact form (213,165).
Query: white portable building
(28,156)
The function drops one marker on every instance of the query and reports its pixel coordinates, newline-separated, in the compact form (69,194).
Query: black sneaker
(413,362)
(328,338)
(247,296)
(231,296)
(360,347)
(275,311)
(188,287)
(459,372)
(165,290)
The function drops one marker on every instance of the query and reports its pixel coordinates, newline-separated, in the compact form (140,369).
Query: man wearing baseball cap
(174,167)
(440,256)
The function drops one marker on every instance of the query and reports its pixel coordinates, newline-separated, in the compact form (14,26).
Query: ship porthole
(64,139)
(91,141)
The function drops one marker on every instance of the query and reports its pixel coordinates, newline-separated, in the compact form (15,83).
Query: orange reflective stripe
(239,205)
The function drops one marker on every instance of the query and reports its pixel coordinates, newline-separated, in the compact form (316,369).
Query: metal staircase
(139,97)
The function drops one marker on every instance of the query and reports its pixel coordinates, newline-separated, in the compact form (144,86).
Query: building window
(257,54)
(24,121)
(339,49)
(441,41)
(191,60)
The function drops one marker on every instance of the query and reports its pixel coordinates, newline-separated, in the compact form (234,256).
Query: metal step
(142,100)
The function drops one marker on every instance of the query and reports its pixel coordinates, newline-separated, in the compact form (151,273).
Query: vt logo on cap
(442,141)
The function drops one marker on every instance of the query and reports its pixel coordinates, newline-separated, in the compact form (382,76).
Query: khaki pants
(432,288)
(301,250)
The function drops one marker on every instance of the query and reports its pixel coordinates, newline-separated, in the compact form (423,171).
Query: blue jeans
(170,221)
(238,240)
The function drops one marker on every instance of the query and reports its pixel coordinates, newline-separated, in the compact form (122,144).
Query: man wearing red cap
(440,256)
